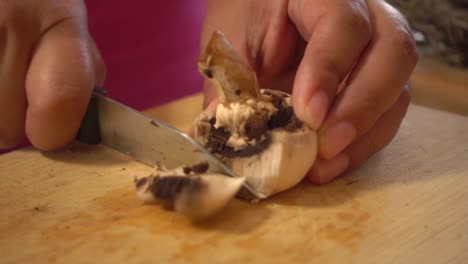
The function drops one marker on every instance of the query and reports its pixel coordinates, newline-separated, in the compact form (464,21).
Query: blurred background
(151,47)
(441,31)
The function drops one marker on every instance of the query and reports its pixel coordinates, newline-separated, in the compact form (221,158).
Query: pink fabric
(150,48)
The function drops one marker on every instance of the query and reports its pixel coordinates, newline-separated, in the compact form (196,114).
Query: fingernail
(325,171)
(316,109)
(336,139)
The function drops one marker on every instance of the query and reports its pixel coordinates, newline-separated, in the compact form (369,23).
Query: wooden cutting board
(408,204)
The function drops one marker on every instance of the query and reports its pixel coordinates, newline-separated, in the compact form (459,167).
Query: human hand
(346,63)
(48,67)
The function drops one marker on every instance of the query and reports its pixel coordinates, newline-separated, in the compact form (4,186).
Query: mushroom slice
(233,79)
(255,133)
(190,191)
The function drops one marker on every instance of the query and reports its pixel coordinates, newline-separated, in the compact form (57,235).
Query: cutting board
(408,204)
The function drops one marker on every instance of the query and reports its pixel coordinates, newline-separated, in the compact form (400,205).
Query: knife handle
(90,131)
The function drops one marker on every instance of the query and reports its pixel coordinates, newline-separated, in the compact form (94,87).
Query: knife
(146,139)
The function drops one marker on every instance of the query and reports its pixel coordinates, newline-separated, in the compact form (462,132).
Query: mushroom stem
(235,80)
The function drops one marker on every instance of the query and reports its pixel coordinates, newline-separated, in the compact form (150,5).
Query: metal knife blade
(145,139)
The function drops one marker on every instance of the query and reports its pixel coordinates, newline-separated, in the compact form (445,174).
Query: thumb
(59,84)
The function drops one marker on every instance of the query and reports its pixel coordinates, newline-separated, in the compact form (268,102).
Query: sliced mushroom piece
(233,79)
(213,193)
(254,131)
(190,191)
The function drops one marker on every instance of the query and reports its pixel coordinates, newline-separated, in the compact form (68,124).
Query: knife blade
(146,139)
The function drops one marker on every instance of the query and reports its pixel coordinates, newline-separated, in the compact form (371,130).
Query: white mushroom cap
(282,165)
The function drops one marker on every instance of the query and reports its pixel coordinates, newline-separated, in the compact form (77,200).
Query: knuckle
(404,44)
(402,37)
(357,19)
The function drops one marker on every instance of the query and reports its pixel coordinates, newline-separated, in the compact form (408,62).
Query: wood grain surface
(408,204)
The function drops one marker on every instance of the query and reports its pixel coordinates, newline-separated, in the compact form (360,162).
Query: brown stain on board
(351,227)
(241,226)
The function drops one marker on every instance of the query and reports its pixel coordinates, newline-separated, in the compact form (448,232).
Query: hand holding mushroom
(346,64)
(253,130)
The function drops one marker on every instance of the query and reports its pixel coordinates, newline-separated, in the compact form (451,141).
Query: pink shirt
(150,48)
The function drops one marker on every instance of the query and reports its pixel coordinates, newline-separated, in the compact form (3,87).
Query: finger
(15,42)
(337,33)
(12,98)
(379,136)
(100,69)
(59,84)
(325,171)
(373,86)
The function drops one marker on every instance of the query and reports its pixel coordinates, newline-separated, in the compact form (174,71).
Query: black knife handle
(90,130)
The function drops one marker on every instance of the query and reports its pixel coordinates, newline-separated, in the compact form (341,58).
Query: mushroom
(254,131)
(189,190)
